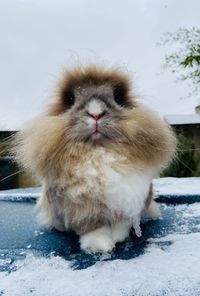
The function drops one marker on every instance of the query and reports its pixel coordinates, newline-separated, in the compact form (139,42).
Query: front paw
(98,240)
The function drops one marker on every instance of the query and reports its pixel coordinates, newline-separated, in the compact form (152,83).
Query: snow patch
(174,270)
(177,186)
(20,194)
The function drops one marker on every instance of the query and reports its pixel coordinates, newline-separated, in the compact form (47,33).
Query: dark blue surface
(20,233)
(178,199)
(7,173)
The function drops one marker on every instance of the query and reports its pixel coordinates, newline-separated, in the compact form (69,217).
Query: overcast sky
(38,38)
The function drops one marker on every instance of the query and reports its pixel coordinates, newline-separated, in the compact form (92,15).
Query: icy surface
(162,186)
(22,194)
(178,186)
(169,263)
(173,270)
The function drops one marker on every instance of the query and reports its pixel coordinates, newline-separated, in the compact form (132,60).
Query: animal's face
(94,102)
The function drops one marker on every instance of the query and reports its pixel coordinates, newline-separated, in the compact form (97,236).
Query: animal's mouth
(96,136)
(96,128)
(96,133)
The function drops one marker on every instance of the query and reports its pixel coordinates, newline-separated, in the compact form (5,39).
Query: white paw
(98,240)
(120,231)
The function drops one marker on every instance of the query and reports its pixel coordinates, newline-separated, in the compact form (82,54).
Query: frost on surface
(173,270)
(177,186)
(169,263)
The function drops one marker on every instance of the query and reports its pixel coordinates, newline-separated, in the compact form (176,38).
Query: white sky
(38,38)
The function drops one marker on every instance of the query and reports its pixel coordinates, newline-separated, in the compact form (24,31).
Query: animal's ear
(120,93)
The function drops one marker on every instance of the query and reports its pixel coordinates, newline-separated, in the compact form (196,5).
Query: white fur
(91,122)
(104,239)
(99,240)
(120,231)
(95,107)
(153,210)
(125,191)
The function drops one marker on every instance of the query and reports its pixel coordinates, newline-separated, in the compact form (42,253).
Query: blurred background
(156,42)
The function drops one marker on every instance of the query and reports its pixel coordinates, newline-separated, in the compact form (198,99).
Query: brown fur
(149,197)
(81,78)
(49,149)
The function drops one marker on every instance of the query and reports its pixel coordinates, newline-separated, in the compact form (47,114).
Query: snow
(170,264)
(177,186)
(22,194)
(193,211)
(162,186)
(160,271)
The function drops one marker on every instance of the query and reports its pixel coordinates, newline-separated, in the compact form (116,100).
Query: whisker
(167,150)
(11,175)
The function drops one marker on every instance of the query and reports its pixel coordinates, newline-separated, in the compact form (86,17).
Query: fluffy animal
(95,151)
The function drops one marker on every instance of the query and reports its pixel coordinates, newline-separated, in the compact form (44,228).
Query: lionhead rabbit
(96,151)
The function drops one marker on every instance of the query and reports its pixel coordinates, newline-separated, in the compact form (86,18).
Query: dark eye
(69,98)
(120,96)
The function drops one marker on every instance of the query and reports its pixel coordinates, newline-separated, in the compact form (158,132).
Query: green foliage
(184,56)
(184,165)
(193,57)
